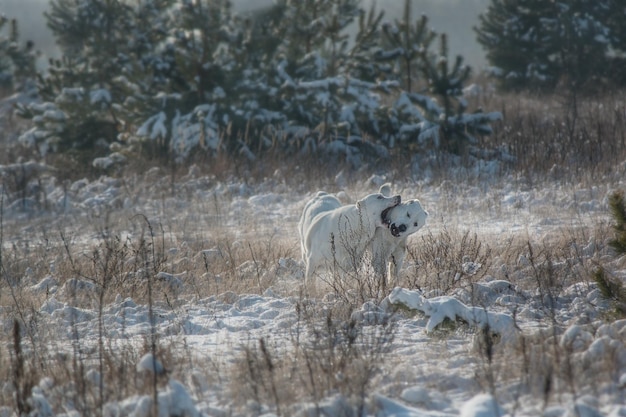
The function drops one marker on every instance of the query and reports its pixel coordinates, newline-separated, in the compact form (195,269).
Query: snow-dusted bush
(17,62)
(330,354)
(449,260)
(198,79)
(77,119)
(539,44)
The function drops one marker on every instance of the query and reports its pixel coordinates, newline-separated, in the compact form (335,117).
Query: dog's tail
(385,189)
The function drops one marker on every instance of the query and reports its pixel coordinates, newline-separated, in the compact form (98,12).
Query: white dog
(332,234)
(389,245)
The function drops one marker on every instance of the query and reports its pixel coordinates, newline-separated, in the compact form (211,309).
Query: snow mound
(174,400)
(440,308)
(391,407)
(482,405)
(148,363)
(177,401)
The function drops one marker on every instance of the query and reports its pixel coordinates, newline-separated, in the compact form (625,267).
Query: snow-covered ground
(498,340)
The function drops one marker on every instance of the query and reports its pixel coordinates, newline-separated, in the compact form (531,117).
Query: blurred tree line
(537,44)
(177,78)
(189,77)
(17,61)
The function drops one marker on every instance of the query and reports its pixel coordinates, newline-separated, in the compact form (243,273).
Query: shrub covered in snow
(199,79)
(539,44)
(17,62)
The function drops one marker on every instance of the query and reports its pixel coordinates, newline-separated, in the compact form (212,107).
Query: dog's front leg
(396,261)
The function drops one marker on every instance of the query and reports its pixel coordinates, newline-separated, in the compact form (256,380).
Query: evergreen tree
(614,19)
(209,90)
(17,62)
(314,62)
(291,71)
(94,33)
(440,119)
(445,82)
(311,26)
(366,45)
(518,42)
(612,287)
(541,43)
(582,38)
(404,44)
(617,205)
(101,42)
(179,77)
(216,93)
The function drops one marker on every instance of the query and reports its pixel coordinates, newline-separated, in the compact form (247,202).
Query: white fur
(321,202)
(332,234)
(389,244)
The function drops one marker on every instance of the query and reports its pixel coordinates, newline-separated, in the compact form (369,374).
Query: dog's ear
(416,201)
(385,189)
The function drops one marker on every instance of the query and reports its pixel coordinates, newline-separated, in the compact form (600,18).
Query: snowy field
(497,312)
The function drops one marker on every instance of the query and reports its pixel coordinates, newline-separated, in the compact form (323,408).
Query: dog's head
(406,218)
(376,207)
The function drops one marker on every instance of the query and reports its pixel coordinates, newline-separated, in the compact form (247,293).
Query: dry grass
(328,353)
(555,139)
(448,260)
(154,264)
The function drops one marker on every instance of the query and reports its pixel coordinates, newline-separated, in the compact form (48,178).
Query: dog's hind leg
(309,271)
(395,265)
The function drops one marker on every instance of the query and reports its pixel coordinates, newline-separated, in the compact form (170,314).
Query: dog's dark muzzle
(383,216)
(396,230)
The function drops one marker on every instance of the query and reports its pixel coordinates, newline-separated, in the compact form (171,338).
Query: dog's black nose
(396,230)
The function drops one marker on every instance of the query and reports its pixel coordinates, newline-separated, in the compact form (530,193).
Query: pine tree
(224,90)
(615,15)
(516,35)
(440,119)
(612,287)
(188,78)
(17,62)
(583,39)
(367,44)
(104,43)
(71,118)
(79,112)
(429,111)
(313,58)
(617,205)
(444,82)
(314,27)
(543,43)
(404,44)
(94,32)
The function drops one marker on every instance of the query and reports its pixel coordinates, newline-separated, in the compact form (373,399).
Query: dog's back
(320,203)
